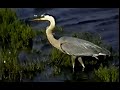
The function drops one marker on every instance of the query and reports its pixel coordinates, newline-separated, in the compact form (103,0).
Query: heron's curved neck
(49,34)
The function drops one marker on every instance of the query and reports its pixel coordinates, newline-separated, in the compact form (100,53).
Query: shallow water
(103,21)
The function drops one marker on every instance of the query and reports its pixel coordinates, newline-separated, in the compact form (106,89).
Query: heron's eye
(35,15)
(42,16)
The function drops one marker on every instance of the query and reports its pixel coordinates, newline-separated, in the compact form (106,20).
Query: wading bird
(71,45)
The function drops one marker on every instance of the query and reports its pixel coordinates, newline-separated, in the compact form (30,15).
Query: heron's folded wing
(75,46)
(77,50)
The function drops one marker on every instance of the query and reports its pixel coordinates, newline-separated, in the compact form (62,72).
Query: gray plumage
(80,47)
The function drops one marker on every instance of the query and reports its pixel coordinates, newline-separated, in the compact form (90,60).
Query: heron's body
(72,46)
(80,47)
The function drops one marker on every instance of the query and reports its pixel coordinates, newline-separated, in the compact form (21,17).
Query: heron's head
(43,17)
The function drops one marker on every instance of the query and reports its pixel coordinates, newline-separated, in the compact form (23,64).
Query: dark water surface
(103,21)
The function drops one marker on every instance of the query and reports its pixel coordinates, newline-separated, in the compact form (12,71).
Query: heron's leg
(80,60)
(73,61)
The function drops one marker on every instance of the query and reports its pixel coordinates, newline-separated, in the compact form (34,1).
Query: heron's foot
(73,70)
(80,60)
(105,57)
(73,62)
(83,69)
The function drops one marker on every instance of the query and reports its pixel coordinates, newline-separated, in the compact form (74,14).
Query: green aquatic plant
(14,33)
(7,16)
(40,32)
(33,65)
(59,29)
(14,37)
(11,69)
(59,59)
(92,62)
(107,74)
(92,37)
(30,68)
(56,71)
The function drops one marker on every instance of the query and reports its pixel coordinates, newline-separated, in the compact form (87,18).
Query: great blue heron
(71,45)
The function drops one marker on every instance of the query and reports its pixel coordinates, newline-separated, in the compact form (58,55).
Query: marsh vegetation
(16,36)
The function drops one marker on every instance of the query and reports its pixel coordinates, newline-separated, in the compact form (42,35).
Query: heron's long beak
(36,19)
